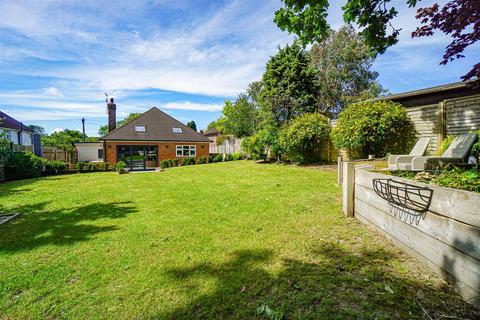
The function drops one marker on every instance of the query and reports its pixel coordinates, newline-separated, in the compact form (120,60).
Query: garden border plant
(374,127)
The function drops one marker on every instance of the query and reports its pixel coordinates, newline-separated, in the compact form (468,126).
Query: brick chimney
(112,115)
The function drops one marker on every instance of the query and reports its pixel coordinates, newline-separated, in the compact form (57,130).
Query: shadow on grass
(39,227)
(337,285)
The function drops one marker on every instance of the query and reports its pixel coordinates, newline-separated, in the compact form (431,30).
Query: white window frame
(137,126)
(191,149)
(179,128)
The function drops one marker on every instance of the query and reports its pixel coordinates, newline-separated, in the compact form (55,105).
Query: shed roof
(159,127)
(433,94)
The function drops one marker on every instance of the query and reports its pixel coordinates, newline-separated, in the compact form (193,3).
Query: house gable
(155,125)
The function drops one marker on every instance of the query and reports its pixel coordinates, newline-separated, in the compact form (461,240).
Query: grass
(233,240)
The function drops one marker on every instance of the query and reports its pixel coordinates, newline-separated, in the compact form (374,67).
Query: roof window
(140,128)
(177,130)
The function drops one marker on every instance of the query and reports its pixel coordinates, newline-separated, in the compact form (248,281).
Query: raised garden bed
(458,179)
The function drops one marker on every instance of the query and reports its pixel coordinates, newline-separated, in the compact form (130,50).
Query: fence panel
(229,146)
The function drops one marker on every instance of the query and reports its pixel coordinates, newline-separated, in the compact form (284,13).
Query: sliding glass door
(138,157)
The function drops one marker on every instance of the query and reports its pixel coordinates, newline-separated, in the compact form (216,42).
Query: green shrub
(55,166)
(258,145)
(188,161)
(120,167)
(228,157)
(374,128)
(165,164)
(5,148)
(80,166)
(21,165)
(175,162)
(237,156)
(445,144)
(458,179)
(218,158)
(305,137)
(93,166)
(202,160)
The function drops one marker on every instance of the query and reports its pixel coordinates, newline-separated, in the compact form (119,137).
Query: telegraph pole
(83,128)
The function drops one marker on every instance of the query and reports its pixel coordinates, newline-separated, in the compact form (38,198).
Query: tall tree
(103,130)
(343,64)
(459,18)
(288,85)
(37,129)
(63,140)
(240,117)
(192,125)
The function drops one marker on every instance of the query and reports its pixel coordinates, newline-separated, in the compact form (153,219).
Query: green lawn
(219,241)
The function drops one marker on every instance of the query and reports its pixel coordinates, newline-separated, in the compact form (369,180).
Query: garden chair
(418,150)
(457,152)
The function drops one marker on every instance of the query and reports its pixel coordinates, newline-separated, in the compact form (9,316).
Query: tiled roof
(158,127)
(211,132)
(8,122)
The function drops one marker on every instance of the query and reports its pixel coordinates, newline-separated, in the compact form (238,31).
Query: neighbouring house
(154,136)
(212,134)
(440,111)
(89,151)
(228,145)
(21,136)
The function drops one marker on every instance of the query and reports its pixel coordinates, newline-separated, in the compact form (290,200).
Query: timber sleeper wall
(446,237)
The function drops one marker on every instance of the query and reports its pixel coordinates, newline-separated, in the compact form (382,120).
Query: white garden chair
(418,150)
(457,152)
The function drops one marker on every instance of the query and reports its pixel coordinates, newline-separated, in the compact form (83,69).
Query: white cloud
(52,91)
(218,53)
(57,130)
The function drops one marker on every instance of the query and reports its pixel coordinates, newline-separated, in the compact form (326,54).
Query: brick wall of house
(166,150)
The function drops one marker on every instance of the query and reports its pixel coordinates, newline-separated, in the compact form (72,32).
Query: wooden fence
(446,238)
(229,146)
(51,153)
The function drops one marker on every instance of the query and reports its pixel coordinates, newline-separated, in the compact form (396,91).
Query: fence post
(339,171)
(348,182)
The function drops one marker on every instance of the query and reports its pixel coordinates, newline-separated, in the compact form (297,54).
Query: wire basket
(404,195)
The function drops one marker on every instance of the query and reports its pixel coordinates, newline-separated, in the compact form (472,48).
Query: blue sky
(57,58)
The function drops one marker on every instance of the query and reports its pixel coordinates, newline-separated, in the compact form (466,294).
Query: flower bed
(459,179)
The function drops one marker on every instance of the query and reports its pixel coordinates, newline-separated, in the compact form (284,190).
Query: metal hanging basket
(404,195)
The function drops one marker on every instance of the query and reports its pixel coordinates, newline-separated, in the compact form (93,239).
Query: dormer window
(140,128)
(177,130)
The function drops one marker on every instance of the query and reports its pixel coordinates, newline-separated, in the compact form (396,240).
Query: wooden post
(348,188)
(442,123)
(339,171)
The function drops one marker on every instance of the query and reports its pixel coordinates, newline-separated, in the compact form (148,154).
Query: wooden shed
(440,111)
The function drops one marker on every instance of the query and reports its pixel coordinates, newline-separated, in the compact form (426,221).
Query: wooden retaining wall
(446,238)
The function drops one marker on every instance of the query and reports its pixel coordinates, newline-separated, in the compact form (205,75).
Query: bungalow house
(21,136)
(154,136)
(440,111)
